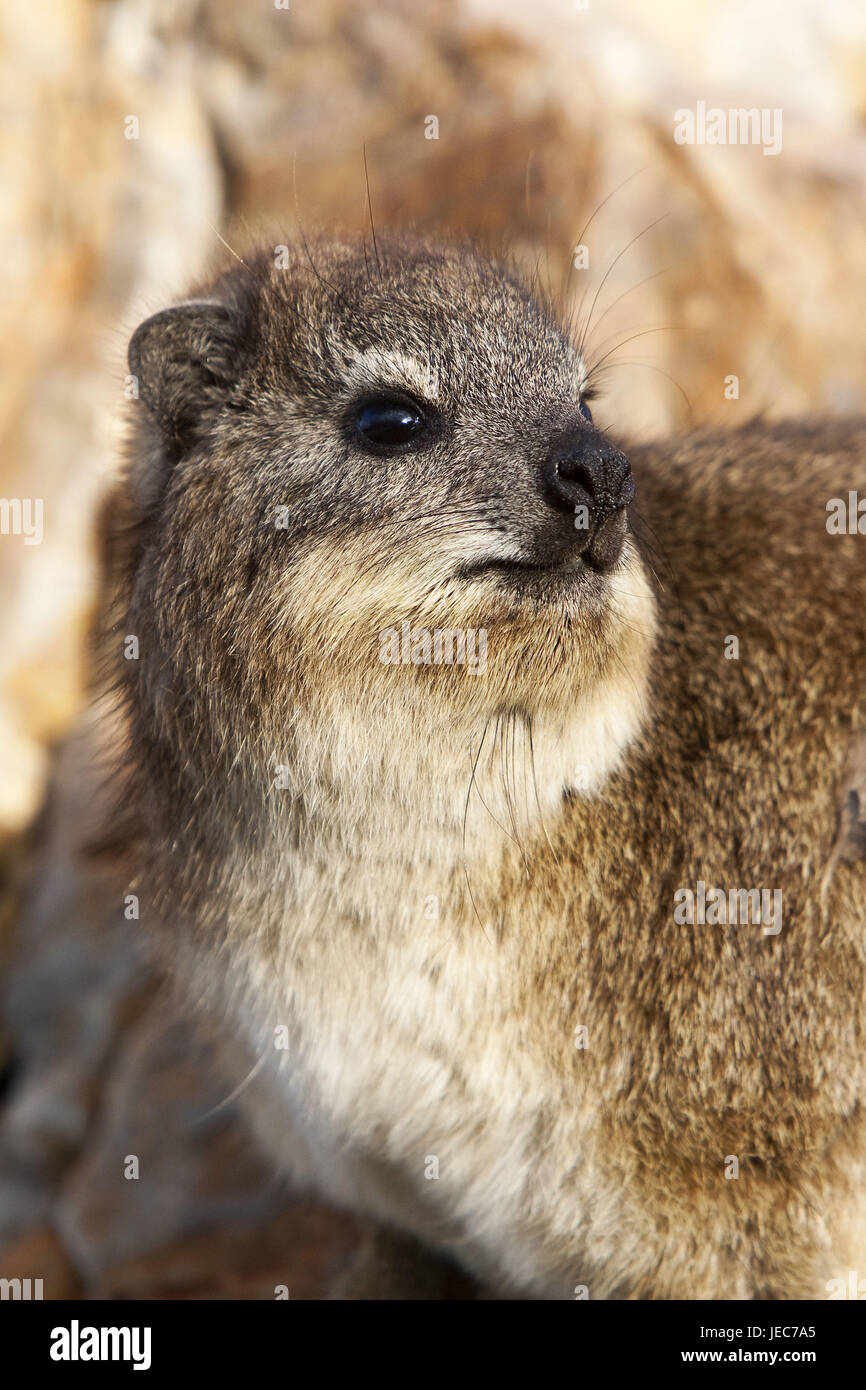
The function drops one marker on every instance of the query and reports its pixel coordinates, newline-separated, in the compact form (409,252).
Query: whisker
(465,817)
(640,284)
(651,367)
(307,253)
(610,268)
(570,262)
(535,785)
(665,328)
(238,1090)
(370,209)
(504,726)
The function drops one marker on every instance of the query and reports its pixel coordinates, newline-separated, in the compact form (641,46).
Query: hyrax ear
(185,360)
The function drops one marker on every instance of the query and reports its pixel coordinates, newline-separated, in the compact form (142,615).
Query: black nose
(587,477)
(583,469)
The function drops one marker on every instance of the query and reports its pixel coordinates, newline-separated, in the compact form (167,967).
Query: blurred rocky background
(137,133)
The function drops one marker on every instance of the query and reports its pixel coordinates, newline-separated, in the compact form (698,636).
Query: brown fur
(303,905)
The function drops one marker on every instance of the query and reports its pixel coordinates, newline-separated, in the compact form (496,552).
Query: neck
(436,798)
(347,810)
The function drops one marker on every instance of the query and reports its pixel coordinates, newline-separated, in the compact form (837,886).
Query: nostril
(568,484)
(575,475)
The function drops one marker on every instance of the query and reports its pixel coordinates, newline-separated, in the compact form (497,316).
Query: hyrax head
(369,486)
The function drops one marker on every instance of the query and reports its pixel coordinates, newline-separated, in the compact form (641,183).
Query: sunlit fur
(431,878)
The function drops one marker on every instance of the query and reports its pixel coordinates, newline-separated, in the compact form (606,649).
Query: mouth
(542,583)
(522,568)
(585,566)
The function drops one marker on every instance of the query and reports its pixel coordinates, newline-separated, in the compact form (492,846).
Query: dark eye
(585,411)
(389,423)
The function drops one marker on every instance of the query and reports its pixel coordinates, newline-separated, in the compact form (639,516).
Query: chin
(559,633)
(541,642)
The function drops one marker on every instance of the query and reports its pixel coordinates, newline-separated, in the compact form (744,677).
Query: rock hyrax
(514,849)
